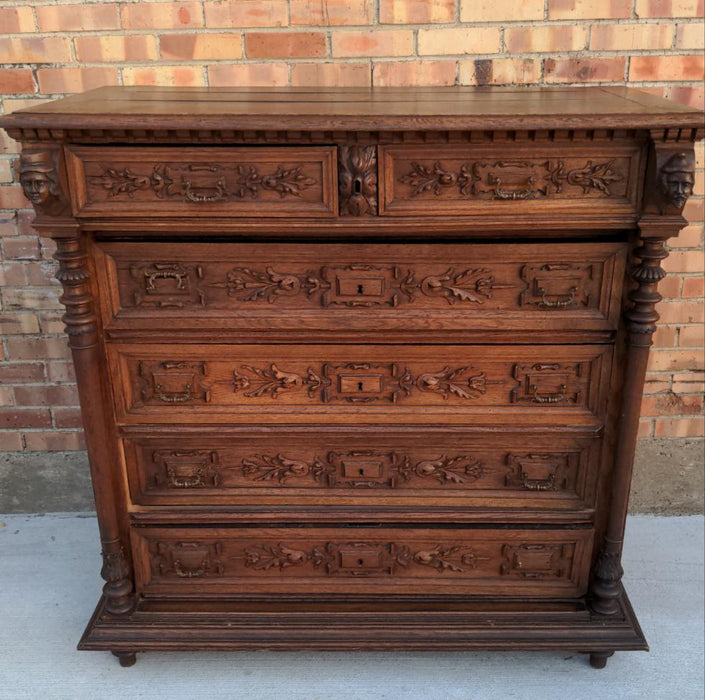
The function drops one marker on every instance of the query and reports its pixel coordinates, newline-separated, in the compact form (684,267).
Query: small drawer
(504,470)
(273,182)
(527,178)
(239,561)
(343,289)
(504,384)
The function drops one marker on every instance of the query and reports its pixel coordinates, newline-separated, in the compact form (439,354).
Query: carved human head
(676,180)
(38,178)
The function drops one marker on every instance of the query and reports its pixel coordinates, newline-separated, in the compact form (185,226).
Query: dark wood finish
(360,369)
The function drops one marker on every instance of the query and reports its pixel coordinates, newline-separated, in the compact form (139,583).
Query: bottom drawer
(392,560)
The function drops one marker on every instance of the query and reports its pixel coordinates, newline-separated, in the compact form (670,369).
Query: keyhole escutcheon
(360,289)
(360,386)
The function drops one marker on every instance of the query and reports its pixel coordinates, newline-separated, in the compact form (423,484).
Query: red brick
(312,13)
(693,287)
(413,73)
(60,80)
(17,324)
(16,80)
(363,43)
(246,13)
(24,418)
(67,441)
(37,349)
(668,8)
(679,427)
(416,11)
(681,311)
(51,324)
(589,9)
(285,45)
(21,372)
(536,39)
(691,67)
(29,298)
(670,360)
(78,18)
(689,237)
(657,383)
(670,288)
(161,15)
(21,248)
(691,35)
(494,11)
(452,40)
(7,396)
(183,76)
(60,372)
(60,395)
(10,441)
(684,261)
(511,71)
(689,383)
(34,50)
(40,273)
(671,405)
(694,210)
(252,74)
(665,337)
(112,49)
(584,70)
(201,47)
(646,428)
(12,274)
(12,197)
(631,37)
(17,20)
(331,74)
(67,417)
(692,336)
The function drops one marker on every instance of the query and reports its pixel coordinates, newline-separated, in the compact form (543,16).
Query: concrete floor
(50,584)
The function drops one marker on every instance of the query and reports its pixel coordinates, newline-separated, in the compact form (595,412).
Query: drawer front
(357,288)
(347,561)
(203,181)
(504,470)
(503,384)
(460,180)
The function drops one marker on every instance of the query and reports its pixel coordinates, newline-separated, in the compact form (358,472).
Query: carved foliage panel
(550,377)
(552,560)
(414,179)
(356,467)
(122,181)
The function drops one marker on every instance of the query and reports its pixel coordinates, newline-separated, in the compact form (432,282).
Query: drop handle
(549,398)
(558,303)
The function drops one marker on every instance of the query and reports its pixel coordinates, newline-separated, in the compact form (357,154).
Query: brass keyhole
(360,386)
(360,290)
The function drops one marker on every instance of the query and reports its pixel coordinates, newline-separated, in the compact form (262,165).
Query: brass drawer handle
(185,482)
(548,398)
(174,397)
(220,194)
(558,303)
(499,193)
(548,484)
(181,572)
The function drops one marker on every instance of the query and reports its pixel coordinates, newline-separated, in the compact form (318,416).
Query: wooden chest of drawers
(360,369)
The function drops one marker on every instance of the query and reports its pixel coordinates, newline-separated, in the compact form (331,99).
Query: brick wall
(52,48)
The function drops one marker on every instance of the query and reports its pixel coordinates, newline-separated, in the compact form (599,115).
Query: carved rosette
(357,180)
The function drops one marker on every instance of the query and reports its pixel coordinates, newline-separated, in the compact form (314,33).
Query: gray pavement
(49,585)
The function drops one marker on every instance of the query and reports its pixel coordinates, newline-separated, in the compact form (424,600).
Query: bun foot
(126,658)
(598,659)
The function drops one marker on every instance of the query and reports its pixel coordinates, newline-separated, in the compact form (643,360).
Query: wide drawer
(153,181)
(347,289)
(475,469)
(509,179)
(237,561)
(504,384)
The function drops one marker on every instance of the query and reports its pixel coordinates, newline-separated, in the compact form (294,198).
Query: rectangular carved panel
(355,288)
(507,470)
(187,561)
(416,180)
(373,383)
(276,181)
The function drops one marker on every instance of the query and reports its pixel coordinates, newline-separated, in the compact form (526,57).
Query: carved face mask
(36,186)
(678,186)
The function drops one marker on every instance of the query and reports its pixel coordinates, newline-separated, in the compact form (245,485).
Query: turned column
(669,183)
(42,179)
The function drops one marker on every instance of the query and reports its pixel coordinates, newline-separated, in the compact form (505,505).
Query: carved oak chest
(360,369)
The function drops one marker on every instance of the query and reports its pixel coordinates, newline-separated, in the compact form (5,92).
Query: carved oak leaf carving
(598,177)
(265,557)
(423,178)
(470,285)
(442,558)
(267,467)
(285,181)
(450,381)
(270,381)
(118,181)
(456,470)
